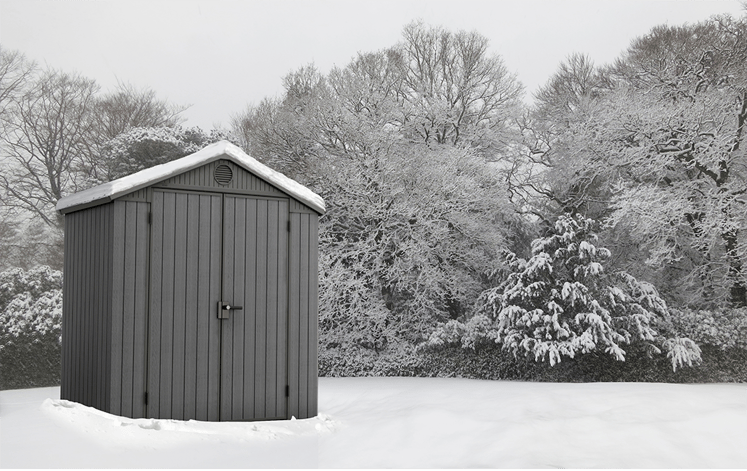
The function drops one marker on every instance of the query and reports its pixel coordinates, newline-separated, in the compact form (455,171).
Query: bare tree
(458,93)
(15,73)
(128,107)
(45,132)
(115,113)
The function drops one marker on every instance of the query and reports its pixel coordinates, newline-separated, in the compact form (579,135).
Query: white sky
(220,55)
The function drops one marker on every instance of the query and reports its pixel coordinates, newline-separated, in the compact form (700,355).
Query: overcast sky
(220,55)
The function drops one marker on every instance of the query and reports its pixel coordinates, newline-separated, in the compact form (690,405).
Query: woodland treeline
(602,217)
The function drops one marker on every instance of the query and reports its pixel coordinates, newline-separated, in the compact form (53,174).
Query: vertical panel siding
(215,325)
(303,299)
(154,308)
(129,307)
(86,327)
(184,336)
(303,306)
(275,347)
(140,314)
(281,335)
(166,351)
(86,307)
(206,378)
(228,295)
(179,316)
(119,254)
(256,336)
(294,315)
(254,349)
(192,283)
(138,195)
(66,327)
(298,207)
(70,269)
(313,281)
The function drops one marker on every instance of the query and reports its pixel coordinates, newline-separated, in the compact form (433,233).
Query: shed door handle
(224,309)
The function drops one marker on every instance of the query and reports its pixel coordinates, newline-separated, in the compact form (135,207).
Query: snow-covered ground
(405,423)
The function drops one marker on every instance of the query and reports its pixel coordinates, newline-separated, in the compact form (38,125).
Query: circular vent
(223,174)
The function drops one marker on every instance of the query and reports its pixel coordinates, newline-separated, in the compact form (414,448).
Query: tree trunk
(737,291)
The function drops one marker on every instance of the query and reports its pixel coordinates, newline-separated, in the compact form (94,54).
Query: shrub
(491,362)
(724,329)
(30,327)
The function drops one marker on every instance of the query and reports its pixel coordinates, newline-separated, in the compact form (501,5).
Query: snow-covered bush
(32,318)
(34,282)
(561,303)
(30,327)
(724,329)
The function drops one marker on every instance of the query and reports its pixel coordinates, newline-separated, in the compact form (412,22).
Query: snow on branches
(143,147)
(30,305)
(561,303)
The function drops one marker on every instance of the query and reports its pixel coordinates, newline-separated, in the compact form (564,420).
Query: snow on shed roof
(220,150)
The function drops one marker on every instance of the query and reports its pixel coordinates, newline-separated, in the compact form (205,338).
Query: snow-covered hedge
(724,329)
(30,327)
(489,361)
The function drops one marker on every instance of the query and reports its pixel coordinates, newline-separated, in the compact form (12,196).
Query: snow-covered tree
(684,188)
(456,91)
(656,143)
(416,215)
(403,246)
(139,148)
(28,242)
(557,172)
(561,302)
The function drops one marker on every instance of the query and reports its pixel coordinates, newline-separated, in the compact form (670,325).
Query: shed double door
(209,248)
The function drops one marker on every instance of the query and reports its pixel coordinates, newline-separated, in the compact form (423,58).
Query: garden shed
(190,292)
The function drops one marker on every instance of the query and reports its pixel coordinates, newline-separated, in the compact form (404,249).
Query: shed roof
(220,150)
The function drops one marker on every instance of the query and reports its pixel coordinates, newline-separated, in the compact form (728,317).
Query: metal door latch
(224,309)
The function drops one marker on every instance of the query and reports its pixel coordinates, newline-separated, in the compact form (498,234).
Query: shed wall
(303,309)
(254,341)
(184,331)
(130,258)
(298,207)
(86,319)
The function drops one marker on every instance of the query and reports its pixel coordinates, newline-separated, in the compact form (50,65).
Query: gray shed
(191,292)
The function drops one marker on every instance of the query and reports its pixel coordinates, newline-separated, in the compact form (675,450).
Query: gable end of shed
(221,175)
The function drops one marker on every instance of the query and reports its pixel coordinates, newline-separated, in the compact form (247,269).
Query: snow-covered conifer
(561,303)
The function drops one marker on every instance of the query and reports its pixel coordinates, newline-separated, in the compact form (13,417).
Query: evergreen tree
(561,303)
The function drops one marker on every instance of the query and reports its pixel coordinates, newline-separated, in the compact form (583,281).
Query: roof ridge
(109,191)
